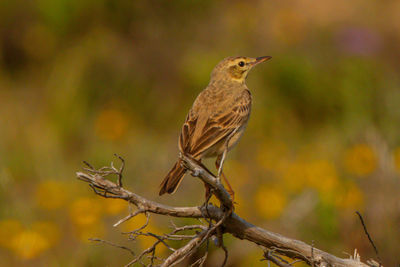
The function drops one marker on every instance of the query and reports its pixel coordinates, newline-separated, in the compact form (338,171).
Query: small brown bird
(217,118)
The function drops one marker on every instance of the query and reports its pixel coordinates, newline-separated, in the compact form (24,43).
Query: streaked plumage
(217,118)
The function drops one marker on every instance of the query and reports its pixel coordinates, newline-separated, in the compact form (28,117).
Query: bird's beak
(261,59)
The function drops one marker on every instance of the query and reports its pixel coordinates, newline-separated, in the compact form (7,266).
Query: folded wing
(218,126)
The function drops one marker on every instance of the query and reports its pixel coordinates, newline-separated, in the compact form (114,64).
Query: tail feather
(173,179)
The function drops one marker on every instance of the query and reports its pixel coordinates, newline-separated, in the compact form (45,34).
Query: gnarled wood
(233,224)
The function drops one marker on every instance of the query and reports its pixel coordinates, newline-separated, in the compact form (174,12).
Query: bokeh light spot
(29,244)
(360,160)
(270,201)
(50,195)
(85,211)
(111,124)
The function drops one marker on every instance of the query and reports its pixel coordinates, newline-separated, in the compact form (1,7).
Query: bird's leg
(208,192)
(208,196)
(218,164)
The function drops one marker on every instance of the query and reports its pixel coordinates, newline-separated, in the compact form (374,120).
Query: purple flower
(359,41)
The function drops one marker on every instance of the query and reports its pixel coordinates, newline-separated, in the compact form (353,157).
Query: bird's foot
(229,210)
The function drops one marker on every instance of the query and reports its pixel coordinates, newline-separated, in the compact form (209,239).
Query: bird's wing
(217,127)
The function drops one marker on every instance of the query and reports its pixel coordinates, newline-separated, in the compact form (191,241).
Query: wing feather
(218,126)
(187,132)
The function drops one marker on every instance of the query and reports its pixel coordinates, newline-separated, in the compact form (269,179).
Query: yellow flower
(85,211)
(114,206)
(50,195)
(48,229)
(29,244)
(270,202)
(8,229)
(396,156)
(295,176)
(360,160)
(322,176)
(350,198)
(111,124)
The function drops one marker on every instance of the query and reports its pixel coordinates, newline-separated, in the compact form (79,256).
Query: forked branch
(220,221)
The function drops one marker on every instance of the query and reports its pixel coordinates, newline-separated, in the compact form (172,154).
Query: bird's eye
(241,64)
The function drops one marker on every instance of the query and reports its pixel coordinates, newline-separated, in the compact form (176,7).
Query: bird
(217,119)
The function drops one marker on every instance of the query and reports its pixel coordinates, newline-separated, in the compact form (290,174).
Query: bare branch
(268,254)
(120,170)
(130,216)
(199,170)
(112,244)
(226,222)
(141,227)
(369,237)
(200,262)
(184,251)
(312,253)
(192,245)
(226,255)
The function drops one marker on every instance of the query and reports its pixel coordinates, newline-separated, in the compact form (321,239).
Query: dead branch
(112,244)
(269,255)
(220,221)
(369,236)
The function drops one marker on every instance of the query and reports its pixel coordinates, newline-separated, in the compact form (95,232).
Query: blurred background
(81,80)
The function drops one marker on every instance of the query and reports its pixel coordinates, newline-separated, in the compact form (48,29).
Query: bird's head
(235,68)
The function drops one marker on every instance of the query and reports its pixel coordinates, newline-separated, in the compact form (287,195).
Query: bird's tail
(173,179)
